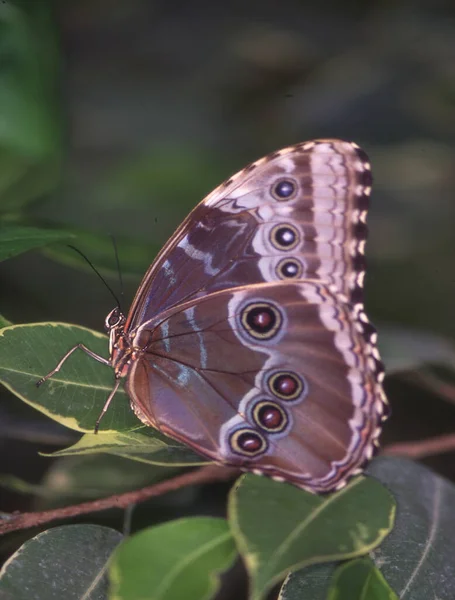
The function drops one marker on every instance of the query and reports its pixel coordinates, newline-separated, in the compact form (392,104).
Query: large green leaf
(62,563)
(145,445)
(75,478)
(417,558)
(280,528)
(175,561)
(76,394)
(357,579)
(17,239)
(360,580)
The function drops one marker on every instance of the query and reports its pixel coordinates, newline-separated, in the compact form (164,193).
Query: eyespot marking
(284,189)
(269,416)
(286,385)
(247,442)
(261,320)
(284,236)
(289,268)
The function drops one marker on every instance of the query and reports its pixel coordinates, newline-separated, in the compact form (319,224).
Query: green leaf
(280,528)
(406,349)
(421,543)
(98,476)
(360,580)
(30,132)
(4,322)
(76,478)
(174,561)
(150,447)
(18,485)
(61,563)
(15,240)
(357,579)
(416,558)
(75,395)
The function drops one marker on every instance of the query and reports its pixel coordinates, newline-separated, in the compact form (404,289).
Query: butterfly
(247,339)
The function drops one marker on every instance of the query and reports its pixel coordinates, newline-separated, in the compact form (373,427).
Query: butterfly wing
(297,213)
(280,378)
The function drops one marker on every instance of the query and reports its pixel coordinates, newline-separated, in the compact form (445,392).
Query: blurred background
(118,116)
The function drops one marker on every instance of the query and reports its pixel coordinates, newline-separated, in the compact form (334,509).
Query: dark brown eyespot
(286,385)
(284,237)
(289,268)
(284,189)
(247,442)
(261,320)
(270,416)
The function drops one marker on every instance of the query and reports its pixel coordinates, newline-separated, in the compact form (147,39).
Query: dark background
(158,102)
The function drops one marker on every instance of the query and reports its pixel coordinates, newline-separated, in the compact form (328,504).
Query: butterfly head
(114,325)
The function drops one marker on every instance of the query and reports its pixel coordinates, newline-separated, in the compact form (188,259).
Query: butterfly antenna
(92,266)
(119,270)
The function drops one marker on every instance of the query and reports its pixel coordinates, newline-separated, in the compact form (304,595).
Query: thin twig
(422,448)
(435,384)
(208,474)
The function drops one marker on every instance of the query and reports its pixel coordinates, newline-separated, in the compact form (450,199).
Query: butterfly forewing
(296,214)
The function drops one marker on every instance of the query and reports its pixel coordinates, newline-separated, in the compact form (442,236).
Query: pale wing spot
(363,216)
(360,279)
(375,351)
(359,190)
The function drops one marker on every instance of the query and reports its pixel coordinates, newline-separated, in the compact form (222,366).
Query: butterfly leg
(106,405)
(67,355)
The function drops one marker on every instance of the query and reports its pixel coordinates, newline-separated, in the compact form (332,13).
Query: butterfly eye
(261,320)
(270,416)
(113,319)
(284,189)
(284,237)
(289,268)
(286,385)
(248,442)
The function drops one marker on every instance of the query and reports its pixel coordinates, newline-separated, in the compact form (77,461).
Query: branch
(208,474)
(422,448)
(434,384)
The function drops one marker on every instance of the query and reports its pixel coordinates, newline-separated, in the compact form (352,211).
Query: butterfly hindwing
(279,378)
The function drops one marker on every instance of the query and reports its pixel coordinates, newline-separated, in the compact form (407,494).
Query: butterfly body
(247,338)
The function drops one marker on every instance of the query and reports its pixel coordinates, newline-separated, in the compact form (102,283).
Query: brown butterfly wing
(247,231)
(280,378)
